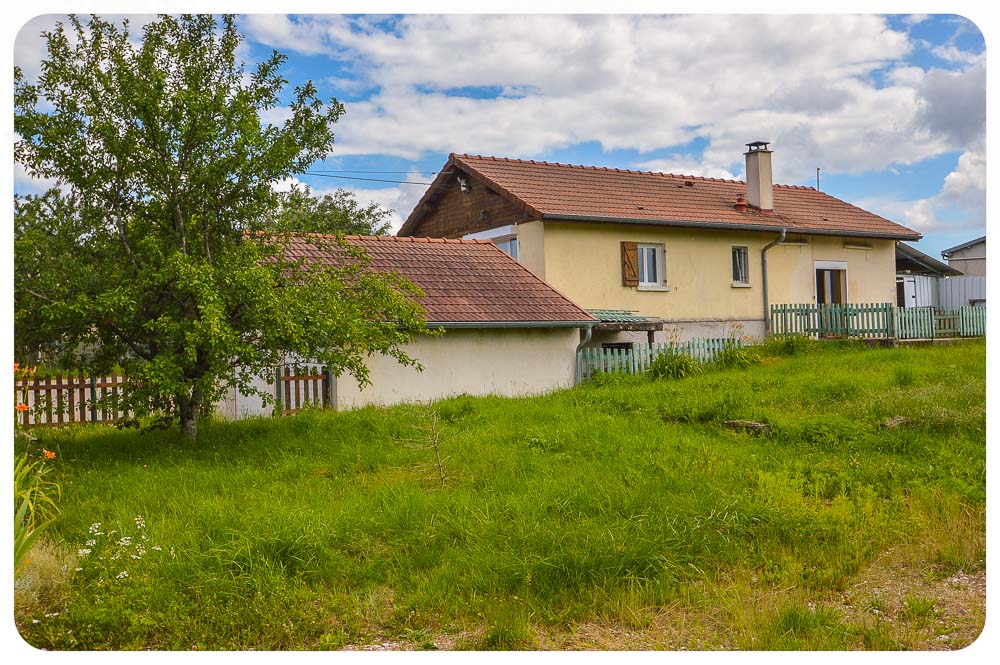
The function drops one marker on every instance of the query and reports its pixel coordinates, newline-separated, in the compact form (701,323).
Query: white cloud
(806,83)
(952,54)
(959,205)
(914,19)
(687,165)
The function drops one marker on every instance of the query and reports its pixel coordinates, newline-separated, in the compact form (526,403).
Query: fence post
(277,389)
(93,398)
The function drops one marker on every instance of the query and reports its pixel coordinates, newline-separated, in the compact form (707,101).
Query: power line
(364,171)
(348,177)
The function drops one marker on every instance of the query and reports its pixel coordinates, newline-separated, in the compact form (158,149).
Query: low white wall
(234,405)
(500,361)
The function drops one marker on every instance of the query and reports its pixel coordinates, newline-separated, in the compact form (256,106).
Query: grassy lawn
(619,515)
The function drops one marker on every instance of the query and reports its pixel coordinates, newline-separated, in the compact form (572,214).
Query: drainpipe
(763,270)
(579,347)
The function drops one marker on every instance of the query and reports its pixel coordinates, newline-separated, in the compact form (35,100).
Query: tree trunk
(188,409)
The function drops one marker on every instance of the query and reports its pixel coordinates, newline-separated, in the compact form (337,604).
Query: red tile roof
(547,190)
(465,281)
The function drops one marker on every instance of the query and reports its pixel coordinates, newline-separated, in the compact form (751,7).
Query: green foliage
(673,366)
(789,345)
(734,356)
(579,507)
(338,212)
(34,506)
(162,251)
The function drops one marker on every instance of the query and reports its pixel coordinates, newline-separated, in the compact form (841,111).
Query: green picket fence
(877,320)
(914,322)
(637,360)
(857,320)
(972,322)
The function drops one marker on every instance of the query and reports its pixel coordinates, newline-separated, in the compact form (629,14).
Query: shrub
(737,356)
(789,345)
(673,366)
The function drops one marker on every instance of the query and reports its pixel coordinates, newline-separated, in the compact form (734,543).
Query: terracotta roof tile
(464,280)
(555,191)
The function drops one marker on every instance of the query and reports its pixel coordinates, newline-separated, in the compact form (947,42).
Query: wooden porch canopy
(614,320)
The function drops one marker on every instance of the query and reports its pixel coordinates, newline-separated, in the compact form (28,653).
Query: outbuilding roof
(467,283)
(554,191)
(951,250)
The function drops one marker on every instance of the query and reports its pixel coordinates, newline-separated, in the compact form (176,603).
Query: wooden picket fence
(637,360)
(297,388)
(71,399)
(858,320)
(877,320)
(972,321)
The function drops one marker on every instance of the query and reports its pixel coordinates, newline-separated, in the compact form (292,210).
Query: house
(969,257)
(919,276)
(506,332)
(700,254)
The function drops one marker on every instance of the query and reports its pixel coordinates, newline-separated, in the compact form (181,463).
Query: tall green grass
(602,502)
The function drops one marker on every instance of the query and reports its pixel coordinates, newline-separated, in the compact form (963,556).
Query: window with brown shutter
(630,263)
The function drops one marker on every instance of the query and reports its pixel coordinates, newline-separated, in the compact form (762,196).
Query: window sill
(741,285)
(654,287)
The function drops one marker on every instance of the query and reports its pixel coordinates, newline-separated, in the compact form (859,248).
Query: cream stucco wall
(583,261)
(531,247)
(505,361)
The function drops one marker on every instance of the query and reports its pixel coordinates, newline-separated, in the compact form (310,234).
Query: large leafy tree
(339,212)
(162,250)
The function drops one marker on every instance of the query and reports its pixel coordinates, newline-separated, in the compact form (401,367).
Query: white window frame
(659,256)
(499,236)
(831,265)
(745,282)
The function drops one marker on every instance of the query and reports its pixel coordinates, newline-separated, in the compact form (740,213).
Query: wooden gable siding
(454,213)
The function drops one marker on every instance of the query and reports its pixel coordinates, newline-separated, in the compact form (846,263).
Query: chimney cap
(758,145)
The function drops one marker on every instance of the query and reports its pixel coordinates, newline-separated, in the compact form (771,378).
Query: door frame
(830,265)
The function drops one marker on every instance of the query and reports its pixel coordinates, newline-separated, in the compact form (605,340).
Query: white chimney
(760,188)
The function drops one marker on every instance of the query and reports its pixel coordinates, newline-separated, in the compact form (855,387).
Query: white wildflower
(94,528)
(172,552)
(116,557)
(125,541)
(91,542)
(135,556)
(157,548)
(79,569)
(49,615)
(122,575)
(140,550)
(140,523)
(83,552)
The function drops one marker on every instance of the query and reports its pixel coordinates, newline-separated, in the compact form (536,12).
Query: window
(508,245)
(651,269)
(741,268)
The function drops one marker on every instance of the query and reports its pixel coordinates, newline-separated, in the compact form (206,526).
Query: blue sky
(891,108)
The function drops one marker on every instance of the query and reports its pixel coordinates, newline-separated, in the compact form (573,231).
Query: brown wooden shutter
(630,263)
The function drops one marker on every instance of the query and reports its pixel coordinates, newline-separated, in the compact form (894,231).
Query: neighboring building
(969,257)
(918,277)
(685,250)
(506,332)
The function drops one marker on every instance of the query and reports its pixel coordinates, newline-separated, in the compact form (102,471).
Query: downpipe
(763,270)
(576,358)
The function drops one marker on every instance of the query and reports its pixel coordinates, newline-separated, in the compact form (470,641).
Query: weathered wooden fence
(296,388)
(880,320)
(637,360)
(71,399)
(77,399)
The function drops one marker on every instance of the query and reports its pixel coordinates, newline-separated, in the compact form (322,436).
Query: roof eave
(774,228)
(512,324)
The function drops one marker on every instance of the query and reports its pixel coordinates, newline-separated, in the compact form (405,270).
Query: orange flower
(17,366)
(21,406)
(49,454)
